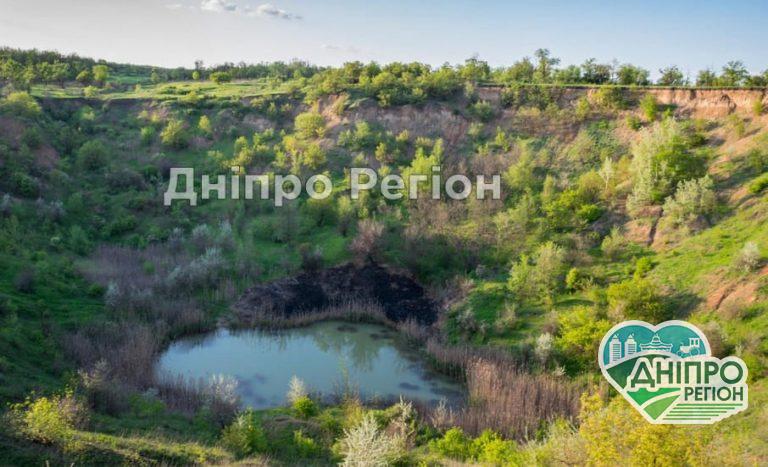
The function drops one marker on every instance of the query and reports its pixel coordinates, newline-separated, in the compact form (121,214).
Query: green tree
(734,74)
(637,298)
(221,77)
(174,135)
(706,78)
(581,329)
(310,125)
(92,155)
(671,76)
(21,104)
(662,159)
(475,70)
(544,278)
(628,75)
(545,65)
(204,125)
(100,74)
(85,77)
(692,199)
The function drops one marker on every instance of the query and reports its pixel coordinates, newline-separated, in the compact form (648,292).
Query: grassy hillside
(618,203)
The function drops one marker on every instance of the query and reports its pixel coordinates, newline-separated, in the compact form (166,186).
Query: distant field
(165,91)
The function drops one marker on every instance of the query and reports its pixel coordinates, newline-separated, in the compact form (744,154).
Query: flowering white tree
(296,390)
(366,445)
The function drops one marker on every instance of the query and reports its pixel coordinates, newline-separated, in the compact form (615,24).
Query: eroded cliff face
(710,103)
(696,103)
(432,119)
(451,120)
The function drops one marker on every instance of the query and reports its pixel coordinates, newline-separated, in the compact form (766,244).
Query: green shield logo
(668,373)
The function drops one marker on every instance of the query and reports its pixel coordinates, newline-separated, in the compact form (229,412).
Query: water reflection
(263,362)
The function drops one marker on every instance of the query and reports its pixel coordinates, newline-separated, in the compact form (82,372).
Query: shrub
(492,449)
(305,446)
(543,348)
(580,332)
(174,135)
(482,110)
(310,125)
(736,124)
(454,444)
(758,108)
(77,240)
(544,278)
(32,138)
(245,436)
(221,398)
(50,419)
(100,74)
(220,77)
(660,160)
(90,92)
(642,267)
(582,109)
(573,279)
(589,212)
(692,199)
(759,184)
(24,185)
(487,449)
(22,104)
(610,97)
(634,123)
(617,434)
(92,155)
(649,107)
(758,158)
(748,258)
(304,407)
(121,225)
(366,244)
(507,319)
(147,135)
(637,299)
(367,444)
(296,389)
(204,125)
(614,244)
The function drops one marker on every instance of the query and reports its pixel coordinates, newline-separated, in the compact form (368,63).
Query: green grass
(168,91)
(692,263)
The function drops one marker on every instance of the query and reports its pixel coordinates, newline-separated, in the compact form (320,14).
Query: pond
(326,354)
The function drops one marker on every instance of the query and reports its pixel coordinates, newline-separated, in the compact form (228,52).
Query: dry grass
(514,402)
(348,309)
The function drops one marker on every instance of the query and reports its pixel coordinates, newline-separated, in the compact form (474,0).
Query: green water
(375,360)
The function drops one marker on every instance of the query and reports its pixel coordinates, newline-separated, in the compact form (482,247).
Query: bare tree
(367,243)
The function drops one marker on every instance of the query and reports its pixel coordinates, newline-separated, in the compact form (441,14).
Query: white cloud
(271,11)
(174,6)
(217,6)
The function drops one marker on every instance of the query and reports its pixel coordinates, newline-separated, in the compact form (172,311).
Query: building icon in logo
(630,346)
(614,349)
(656,344)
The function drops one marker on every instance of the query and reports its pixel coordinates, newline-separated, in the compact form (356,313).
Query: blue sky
(650,33)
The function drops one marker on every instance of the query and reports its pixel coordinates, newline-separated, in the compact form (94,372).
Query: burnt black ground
(400,296)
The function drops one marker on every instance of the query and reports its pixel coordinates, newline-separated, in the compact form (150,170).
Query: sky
(691,34)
